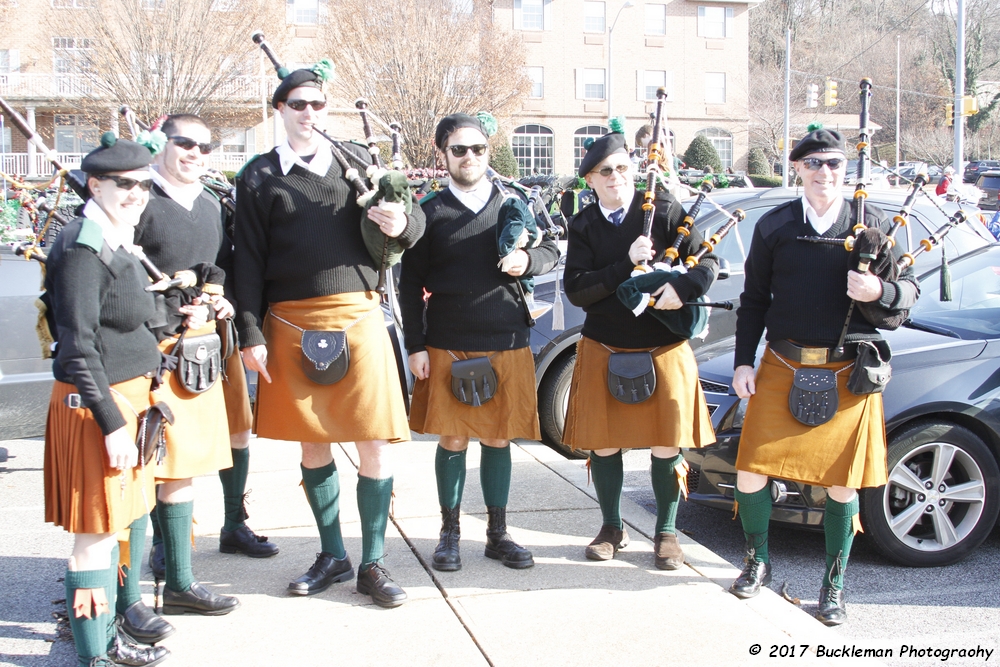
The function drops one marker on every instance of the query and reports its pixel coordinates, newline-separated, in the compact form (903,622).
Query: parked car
(908,173)
(942,413)
(976,167)
(989,183)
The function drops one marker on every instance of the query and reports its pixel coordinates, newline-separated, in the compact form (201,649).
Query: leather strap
(812,356)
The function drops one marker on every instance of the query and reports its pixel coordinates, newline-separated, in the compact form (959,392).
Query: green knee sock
(667,490)
(92,636)
(609,475)
(755,513)
(128,590)
(322,487)
(154,518)
(175,522)
(234,483)
(494,475)
(374,496)
(838,527)
(449,468)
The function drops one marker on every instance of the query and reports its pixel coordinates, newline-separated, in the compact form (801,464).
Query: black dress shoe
(243,540)
(325,571)
(142,625)
(374,580)
(124,652)
(446,556)
(500,546)
(197,600)
(754,575)
(832,610)
(158,561)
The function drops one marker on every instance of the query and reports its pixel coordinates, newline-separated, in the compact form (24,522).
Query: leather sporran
(813,398)
(872,371)
(199,362)
(228,337)
(631,376)
(473,381)
(326,356)
(151,437)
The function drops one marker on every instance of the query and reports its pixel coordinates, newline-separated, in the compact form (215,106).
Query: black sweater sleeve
(412,278)
(251,230)
(542,258)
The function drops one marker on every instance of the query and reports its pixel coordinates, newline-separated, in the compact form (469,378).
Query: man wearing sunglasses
(801,293)
(302,265)
(473,312)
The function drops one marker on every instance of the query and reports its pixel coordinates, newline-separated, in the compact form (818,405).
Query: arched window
(532,146)
(580,136)
(723,142)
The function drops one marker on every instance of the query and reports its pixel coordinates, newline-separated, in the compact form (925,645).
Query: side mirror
(724,269)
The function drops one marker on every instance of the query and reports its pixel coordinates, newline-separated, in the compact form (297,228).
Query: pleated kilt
(676,415)
(234,388)
(511,413)
(366,404)
(83,494)
(198,440)
(849,450)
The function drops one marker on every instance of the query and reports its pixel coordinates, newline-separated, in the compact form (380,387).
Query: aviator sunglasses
(127,183)
(459,151)
(187,144)
(300,105)
(815,164)
(607,171)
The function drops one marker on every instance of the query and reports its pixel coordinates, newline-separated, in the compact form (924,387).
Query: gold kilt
(511,413)
(676,415)
(83,494)
(849,450)
(367,404)
(234,388)
(198,440)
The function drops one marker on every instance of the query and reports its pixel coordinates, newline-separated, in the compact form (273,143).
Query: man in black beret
(801,293)
(473,313)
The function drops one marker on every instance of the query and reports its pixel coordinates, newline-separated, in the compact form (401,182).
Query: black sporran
(813,399)
(326,356)
(228,336)
(199,362)
(631,376)
(151,437)
(872,371)
(473,381)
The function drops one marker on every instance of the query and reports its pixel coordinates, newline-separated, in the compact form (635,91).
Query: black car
(989,183)
(976,167)
(942,413)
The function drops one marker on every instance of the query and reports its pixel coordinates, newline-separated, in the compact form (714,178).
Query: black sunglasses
(300,105)
(459,151)
(188,144)
(126,183)
(815,164)
(607,171)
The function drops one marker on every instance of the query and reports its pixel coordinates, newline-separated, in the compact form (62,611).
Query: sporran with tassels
(473,381)
(631,376)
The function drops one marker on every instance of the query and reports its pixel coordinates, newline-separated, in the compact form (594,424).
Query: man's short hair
(643,132)
(169,127)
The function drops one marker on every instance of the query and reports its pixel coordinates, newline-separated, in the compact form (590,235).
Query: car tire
(553,399)
(922,527)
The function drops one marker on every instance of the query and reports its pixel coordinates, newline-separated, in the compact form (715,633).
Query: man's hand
(122,453)
(641,249)
(197,314)
(517,263)
(863,287)
(744,381)
(223,308)
(668,298)
(255,359)
(420,365)
(392,223)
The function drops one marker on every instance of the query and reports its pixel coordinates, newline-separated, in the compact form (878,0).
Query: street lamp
(628,3)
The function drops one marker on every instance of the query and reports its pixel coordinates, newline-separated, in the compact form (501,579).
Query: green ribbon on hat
(324,70)
(154,140)
(488,122)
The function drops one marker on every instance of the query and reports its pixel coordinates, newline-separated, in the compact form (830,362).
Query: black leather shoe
(500,546)
(832,610)
(158,561)
(754,575)
(325,571)
(374,580)
(198,600)
(245,541)
(446,556)
(142,625)
(124,652)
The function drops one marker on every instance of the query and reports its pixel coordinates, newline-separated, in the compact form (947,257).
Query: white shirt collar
(185,195)
(821,223)
(476,199)
(627,204)
(319,165)
(114,237)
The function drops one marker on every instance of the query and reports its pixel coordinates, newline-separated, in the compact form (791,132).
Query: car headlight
(737,414)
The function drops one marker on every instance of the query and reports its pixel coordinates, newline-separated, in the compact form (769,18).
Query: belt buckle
(813,356)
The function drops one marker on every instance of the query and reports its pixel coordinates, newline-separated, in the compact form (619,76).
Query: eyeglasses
(126,183)
(300,105)
(607,171)
(815,164)
(189,144)
(459,151)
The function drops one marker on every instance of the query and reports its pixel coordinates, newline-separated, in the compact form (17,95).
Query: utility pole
(959,90)
(897,103)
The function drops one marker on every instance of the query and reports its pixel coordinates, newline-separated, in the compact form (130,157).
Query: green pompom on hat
(324,70)
(154,140)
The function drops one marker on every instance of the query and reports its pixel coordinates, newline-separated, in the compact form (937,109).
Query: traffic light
(812,95)
(830,93)
(970,105)
(949,114)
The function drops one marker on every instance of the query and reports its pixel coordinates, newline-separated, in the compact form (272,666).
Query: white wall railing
(16,164)
(18,86)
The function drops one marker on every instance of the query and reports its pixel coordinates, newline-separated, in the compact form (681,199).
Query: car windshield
(992,182)
(974,308)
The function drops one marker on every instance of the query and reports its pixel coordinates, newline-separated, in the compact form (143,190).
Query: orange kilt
(849,450)
(234,388)
(676,415)
(511,413)
(198,440)
(83,494)
(367,404)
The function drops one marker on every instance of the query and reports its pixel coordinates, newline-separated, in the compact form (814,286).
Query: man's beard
(458,178)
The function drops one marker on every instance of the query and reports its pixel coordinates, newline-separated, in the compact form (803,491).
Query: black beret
(300,77)
(609,144)
(819,141)
(116,154)
(453,122)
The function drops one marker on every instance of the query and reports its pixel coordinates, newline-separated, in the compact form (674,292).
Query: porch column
(32,169)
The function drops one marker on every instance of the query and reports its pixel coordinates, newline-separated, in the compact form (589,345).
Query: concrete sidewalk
(564,611)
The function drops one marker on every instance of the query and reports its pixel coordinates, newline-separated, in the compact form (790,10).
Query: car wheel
(942,497)
(553,402)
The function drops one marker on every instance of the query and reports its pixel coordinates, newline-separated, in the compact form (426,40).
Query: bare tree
(416,61)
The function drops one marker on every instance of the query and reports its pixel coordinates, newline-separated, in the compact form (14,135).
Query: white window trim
(546,16)
(727,27)
(581,81)
(725,84)
(646,22)
(540,82)
(640,85)
(604,17)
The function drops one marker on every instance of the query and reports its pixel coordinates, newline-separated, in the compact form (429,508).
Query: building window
(723,142)
(5,140)
(581,136)
(532,14)
(152,4)
(715,22)
(75,134)
(590,84)
(532,146)
(593,16)
(715,87)
(656,19)
(650,80)
(10,60)
(237,140)
(72,4)
(462,6)
(302,12)
(536,75)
